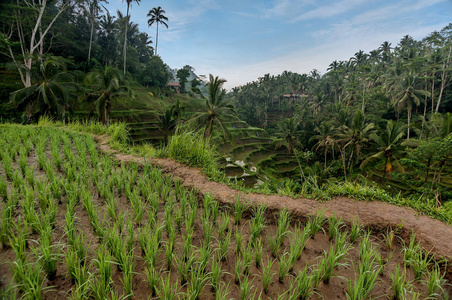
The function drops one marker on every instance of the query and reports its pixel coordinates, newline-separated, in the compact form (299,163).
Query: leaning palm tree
(157,17)
(389,147)
(129,3)
(51,92)
(217,108)
(104,85)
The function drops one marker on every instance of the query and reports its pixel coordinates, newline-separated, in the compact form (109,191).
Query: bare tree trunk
(91,35)
(433,92)
(36,44)
(408,129)
(425,112)
(299,165)
(157,38)
(444,79)
(125,39)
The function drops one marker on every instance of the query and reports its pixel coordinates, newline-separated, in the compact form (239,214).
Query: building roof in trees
(174,84)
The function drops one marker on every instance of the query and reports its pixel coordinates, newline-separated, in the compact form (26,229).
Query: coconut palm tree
(104,85)
(389,147)
(406,92)
(129,3)
(157,17)
(325,138)
(356,136)
(93,11)
(217,108)
(288,131)
(51,92)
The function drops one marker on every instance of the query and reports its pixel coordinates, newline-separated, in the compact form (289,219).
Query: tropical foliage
(377,114)
(217,108)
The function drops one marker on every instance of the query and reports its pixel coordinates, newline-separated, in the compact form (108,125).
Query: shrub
(193,149)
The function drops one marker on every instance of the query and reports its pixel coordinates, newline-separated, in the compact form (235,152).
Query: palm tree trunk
(443,80)
(298,161)
(157,38)
(91,37)
(125,39)
(433,93)
(408,129)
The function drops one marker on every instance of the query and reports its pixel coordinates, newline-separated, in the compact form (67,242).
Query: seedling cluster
(78,223)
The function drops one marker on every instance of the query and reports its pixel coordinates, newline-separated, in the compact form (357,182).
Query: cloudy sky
(241,40)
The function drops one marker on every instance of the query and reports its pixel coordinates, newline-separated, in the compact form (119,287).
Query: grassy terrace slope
(141,112)
(252,147)
(90,226)
(253,152)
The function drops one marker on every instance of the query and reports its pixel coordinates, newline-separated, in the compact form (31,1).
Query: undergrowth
(194,149)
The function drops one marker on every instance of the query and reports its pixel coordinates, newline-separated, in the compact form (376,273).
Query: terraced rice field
(78,224)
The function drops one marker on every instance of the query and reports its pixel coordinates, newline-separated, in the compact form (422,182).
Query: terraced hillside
(253,155)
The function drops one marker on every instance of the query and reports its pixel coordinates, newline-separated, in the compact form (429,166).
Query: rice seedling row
(78,224)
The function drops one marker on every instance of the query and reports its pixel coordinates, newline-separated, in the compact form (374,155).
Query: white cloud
(329,10)
(350,40)
(392,12)
(286,8)
(181,18)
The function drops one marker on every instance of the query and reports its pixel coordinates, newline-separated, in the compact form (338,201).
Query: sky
(241,40)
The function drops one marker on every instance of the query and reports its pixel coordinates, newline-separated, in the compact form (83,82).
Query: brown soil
(434,235)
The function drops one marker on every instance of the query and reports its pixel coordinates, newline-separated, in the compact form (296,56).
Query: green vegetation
(380,115)
(98,213)
(376,127)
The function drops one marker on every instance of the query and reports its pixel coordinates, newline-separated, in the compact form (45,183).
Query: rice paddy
(78,224)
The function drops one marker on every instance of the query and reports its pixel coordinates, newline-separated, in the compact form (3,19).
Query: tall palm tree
(157,17)
(217,108)
(407,93)
(93,11)
(325,138)
(359,58)
(50,93)
(129,3)
(104,85)
(388,146)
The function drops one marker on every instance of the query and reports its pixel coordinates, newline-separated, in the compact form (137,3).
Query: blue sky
(241,40)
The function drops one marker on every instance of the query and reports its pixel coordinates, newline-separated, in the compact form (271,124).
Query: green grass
(194,149)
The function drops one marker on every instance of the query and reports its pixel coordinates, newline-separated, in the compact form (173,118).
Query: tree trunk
(299,165)
(443,79)
(408,129)
(40,43)
(125,39)
(91,34)
(157,38)
(433,93)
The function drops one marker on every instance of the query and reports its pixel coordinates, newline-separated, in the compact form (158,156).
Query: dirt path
(435,236)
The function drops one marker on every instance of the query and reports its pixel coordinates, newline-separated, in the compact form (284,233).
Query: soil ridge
(435,236)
